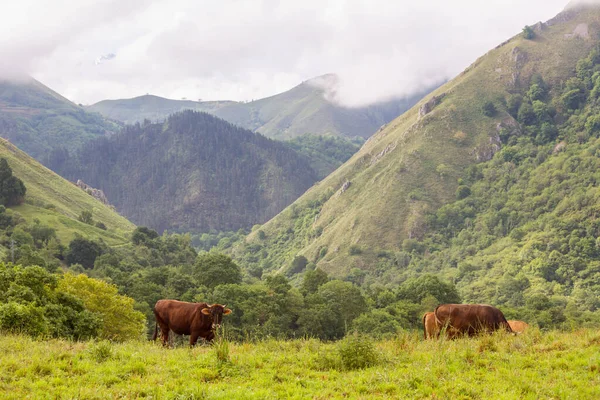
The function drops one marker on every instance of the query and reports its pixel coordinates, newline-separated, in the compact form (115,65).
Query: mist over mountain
(37,119)
(309,108)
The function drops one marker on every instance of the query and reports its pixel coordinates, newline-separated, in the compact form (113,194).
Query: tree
(313,280)
(120,321)
(213,269)
(84,252)
(143,235)
(528,32)
(416,289)
(12,189)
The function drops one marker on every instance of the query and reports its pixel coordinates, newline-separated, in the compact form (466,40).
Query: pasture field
(534,365)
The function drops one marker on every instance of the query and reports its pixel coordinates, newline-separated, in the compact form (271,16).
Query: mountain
(58,203)
(193,172)
(153,108)
(490,181)
(301,110)
(37,119)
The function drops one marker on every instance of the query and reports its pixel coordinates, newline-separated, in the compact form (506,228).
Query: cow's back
(470,318)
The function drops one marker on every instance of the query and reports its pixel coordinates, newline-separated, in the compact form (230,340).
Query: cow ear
(226,311)
(205,311)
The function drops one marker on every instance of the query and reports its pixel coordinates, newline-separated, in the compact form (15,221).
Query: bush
(528,32)
(357,352)
(22,318)
(86,217)
(100,225)
(12,189)
(120,321)
(489,109)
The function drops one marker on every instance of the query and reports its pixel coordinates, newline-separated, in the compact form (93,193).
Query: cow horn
(224,305)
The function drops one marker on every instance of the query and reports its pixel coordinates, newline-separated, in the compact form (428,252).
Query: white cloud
(247,49)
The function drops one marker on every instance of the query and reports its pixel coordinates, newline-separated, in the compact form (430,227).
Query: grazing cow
(194,319)
(469,319)
(518,326)
(430,327)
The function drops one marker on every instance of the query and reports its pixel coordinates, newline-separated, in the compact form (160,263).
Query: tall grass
(560,365)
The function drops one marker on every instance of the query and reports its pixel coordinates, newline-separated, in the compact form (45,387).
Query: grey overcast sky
(248,49)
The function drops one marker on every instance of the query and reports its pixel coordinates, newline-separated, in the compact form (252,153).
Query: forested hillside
(490,182)
(301,110)
(193,172)
(37,119)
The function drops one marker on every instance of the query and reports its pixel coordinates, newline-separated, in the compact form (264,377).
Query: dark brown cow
(430,327)
(194,319)
(469,319)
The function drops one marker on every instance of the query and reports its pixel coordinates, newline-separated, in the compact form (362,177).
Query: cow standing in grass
(430,327)
(518,326)
(469,319)
(194,319)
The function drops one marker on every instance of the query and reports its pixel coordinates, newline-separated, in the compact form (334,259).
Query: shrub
(528,32)
(354,250)
(100,225)
(489,109)
(357,352)
(120,321)
(22,318)
(86,217)
(101,351)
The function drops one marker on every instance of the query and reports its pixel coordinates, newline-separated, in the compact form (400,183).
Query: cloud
(248,49)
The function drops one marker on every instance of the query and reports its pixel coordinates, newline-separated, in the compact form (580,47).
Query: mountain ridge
(304,109)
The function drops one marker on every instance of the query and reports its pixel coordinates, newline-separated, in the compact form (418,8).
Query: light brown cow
(518,326)
(430,327)
(469,319)
(194,319)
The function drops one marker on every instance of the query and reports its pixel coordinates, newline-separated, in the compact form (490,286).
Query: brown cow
(518,326)
(469,319)
(194,319)
(430,327)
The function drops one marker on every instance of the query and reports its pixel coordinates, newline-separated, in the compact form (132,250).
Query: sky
(248,49)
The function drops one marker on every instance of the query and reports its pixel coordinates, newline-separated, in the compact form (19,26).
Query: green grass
(530,366)
(58,202)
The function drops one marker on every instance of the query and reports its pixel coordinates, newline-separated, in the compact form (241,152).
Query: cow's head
(216,311)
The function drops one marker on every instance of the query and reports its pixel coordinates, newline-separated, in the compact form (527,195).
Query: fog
(244,50)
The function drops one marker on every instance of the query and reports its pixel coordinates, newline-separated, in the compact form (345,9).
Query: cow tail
(424,327)
(155,331)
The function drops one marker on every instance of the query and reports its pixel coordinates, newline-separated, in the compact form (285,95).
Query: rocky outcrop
(581,31)
(430,105)
(519,58)
(486,151)
(98,194)
(344,187)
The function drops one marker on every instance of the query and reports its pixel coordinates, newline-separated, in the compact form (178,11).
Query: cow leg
(164,335)
(210,336)
(193,338)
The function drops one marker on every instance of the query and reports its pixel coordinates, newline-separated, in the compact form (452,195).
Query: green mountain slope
(58,203)
(194,172)
(37,119)
(153,108)
(301,110)
(371,214)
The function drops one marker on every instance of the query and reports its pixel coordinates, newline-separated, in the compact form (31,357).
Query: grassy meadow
(533,365)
